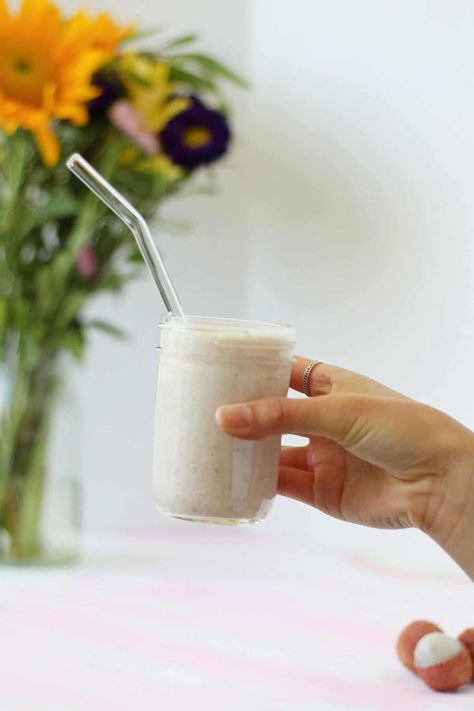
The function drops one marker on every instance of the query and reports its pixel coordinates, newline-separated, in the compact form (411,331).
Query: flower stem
(14,167)
(23,495)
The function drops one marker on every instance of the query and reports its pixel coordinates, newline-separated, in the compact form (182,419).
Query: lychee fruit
(443,662)
(409,638)
(467,639)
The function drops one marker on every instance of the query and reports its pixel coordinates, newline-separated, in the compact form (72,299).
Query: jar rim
(225,335)
(218,323)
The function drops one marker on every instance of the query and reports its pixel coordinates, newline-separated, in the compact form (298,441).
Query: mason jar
(201,473)
(40,452)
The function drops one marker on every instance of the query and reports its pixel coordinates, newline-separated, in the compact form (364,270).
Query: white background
(346,209)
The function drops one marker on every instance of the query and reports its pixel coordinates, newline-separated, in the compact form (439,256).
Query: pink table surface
(194,619)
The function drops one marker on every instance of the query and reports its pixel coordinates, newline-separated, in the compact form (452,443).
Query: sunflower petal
(36,15)
(4,14)
(78,115)
(49,95)
(48,145)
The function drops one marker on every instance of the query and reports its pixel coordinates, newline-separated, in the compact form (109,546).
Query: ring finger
(325,379)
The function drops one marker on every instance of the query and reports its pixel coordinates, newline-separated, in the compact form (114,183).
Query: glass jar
(39,461)
(200,473)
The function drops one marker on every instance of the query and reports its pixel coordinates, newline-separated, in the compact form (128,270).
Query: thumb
(339,417)
(382,430)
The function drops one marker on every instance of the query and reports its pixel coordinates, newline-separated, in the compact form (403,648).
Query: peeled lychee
(467,639)
(409,638)
(442,662)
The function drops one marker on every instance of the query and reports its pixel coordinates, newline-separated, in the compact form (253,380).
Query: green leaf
(139,35)
(183,76)
(135,257)
(116,282)
(137,78)
(108,328)
(61,204)
(216,68)
(180,41)
(71,306)
(73,340)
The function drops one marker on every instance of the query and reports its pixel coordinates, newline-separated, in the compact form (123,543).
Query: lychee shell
(450,674)
(467,639)
(409,638)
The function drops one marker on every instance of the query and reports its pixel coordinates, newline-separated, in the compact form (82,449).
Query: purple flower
(111,90)
(132,124)
(86,262)
(196,136)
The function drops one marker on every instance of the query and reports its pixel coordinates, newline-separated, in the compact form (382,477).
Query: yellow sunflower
(99,32)
(46,68)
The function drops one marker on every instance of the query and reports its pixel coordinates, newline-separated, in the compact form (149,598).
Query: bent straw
(135,222)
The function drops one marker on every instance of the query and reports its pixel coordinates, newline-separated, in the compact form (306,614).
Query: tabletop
(193,618)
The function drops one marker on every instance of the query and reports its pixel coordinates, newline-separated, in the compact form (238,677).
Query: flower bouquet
(150,121)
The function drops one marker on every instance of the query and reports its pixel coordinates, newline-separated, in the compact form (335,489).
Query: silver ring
(306,375)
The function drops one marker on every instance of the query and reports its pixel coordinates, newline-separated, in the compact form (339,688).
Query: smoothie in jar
(200,473)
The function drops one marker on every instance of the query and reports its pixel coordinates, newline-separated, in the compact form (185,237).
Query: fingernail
(235,417)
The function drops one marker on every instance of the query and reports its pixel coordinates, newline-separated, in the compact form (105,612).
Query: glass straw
(135,222)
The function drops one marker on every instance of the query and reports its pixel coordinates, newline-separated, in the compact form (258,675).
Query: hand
(374,457)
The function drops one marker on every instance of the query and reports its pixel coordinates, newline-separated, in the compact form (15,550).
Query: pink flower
(86,262)
(130,122)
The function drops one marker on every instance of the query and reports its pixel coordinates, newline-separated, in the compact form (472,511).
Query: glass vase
(39,458)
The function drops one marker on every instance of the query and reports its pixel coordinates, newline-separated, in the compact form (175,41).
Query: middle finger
(295,457)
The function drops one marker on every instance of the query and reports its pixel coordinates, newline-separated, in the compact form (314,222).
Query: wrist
(451,521)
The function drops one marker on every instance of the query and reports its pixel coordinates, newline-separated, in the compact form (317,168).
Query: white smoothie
(201,473)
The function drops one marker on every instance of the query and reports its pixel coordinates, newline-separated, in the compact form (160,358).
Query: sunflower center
(197,137)
(22,65)
(24,71)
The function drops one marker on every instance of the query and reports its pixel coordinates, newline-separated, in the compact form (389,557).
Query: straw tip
(73,160)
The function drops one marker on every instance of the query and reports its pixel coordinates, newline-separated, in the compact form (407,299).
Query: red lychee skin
(467,639)
(409,638)
(448,675)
